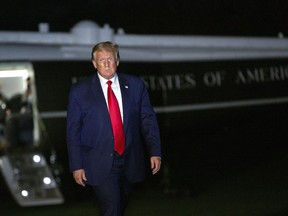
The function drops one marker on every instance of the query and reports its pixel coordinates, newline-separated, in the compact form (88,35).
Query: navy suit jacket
(89,131)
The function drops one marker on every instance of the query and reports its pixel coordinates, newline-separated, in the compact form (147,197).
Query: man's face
(106,63)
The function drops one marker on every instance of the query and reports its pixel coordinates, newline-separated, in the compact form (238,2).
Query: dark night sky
(193,17)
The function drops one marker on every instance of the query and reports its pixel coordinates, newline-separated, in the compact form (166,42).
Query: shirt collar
(104,81)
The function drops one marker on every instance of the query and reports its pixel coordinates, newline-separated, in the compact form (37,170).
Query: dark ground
(260,190)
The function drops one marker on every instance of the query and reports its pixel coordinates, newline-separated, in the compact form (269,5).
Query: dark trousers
(113,194)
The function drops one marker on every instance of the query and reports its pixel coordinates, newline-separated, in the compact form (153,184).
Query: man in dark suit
(91,136)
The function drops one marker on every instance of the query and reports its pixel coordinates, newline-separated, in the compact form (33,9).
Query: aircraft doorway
(22,161)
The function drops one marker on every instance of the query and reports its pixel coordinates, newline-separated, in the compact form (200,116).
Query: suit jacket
(89,131)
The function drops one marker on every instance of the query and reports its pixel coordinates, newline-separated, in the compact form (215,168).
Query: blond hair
(106,46)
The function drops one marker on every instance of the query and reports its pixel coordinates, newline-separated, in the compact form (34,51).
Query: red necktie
(116,121)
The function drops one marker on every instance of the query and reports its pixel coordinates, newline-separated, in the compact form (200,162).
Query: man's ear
(117,63)
(94,64)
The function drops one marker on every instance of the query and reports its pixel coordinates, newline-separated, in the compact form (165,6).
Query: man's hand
(79,176)
(155,164)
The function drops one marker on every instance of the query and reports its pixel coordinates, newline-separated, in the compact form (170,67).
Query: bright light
(36,158)
(24,193)
(47,180)
(14,73)
(3,106)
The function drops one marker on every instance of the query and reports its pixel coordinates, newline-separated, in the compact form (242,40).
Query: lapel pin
(126,87)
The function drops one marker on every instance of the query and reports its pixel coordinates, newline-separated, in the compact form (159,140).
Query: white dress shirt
(116,89)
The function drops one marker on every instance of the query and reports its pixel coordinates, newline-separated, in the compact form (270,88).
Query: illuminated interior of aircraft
(23,165)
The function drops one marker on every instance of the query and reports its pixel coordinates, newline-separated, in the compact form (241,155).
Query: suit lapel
(98,93)
(125,92)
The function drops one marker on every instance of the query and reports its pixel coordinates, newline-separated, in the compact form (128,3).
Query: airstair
(30,179)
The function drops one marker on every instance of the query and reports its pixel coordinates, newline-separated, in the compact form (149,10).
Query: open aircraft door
(27,169)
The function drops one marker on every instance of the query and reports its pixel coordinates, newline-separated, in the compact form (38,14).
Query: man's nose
(106,63)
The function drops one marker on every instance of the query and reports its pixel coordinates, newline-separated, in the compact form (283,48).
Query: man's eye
(104,60)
